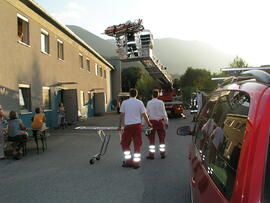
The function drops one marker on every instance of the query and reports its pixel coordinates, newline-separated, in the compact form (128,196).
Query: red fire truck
(173,104)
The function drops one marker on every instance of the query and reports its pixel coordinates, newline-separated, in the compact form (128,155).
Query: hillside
(175,54)
(100,45)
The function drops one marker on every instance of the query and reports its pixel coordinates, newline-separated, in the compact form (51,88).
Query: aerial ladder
(134,43)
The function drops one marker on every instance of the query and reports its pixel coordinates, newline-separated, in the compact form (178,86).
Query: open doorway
(69,99)
(99,103)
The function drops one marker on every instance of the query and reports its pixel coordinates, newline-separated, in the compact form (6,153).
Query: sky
(236,27)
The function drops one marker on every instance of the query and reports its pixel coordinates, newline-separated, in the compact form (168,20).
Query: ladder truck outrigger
(134,43)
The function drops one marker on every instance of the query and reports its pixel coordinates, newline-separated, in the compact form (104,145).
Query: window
(105,97)
(81,60)
(100,71)
(222,137)
(23,29)
(44,40)
(104,74)
(96,68)
(266,194)
(24,97)
(203,117)
(46,98)
(60,49)
(82,98)
(88,64)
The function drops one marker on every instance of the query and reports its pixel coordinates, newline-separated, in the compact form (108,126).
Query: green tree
(187,94)
(176,83)
(199,78)
(238,63)
(145,85)
(130,76)
(134,77)
(193,80)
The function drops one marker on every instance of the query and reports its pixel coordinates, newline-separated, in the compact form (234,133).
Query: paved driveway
(63,173)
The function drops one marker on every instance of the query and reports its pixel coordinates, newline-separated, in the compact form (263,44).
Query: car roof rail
(244,73)
(259,75)
(231,79)
(234,71)
(221,78)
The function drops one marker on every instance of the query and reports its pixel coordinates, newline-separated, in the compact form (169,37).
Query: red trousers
(158,127)
(132,133)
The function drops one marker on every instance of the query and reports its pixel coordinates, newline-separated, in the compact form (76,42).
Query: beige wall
(28,65)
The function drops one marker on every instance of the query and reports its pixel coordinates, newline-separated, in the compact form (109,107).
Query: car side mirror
(184,131)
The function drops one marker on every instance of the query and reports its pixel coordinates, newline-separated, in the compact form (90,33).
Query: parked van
(230,153)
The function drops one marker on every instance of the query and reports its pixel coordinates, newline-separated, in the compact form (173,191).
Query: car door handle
(193,182)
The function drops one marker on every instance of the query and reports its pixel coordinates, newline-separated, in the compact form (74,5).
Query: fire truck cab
(173,104)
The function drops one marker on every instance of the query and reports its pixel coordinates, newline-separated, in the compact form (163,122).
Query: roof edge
(36,7)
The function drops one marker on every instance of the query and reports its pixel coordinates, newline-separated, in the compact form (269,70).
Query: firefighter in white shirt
(131,112)
(159,119)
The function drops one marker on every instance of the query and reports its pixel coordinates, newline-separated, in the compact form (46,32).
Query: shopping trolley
(105,138)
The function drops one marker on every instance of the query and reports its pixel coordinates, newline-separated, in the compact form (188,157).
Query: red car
(230,150)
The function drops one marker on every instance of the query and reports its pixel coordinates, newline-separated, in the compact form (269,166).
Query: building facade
(43,63)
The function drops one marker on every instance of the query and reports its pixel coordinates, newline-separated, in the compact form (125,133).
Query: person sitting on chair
(16,134)
(38,125)
(38,121)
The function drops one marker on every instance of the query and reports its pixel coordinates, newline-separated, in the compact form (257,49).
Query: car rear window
(266,194)
(220,137)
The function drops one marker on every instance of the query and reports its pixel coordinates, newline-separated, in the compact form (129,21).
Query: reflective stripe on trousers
(162,147)
(152,148)
(137,157)
(127,155)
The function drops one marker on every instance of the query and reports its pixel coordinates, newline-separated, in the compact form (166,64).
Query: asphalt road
(63,174)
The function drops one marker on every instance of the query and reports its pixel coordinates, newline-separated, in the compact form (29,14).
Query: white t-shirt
(218,137)
(156,110)
(133,109)
(199,101)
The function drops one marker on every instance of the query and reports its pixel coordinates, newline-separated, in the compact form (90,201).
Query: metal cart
(105,138)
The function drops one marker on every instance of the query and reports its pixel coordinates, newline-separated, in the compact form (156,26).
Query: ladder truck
(134,43)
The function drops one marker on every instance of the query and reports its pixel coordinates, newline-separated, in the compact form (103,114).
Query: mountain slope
(100,45)
(175,54)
